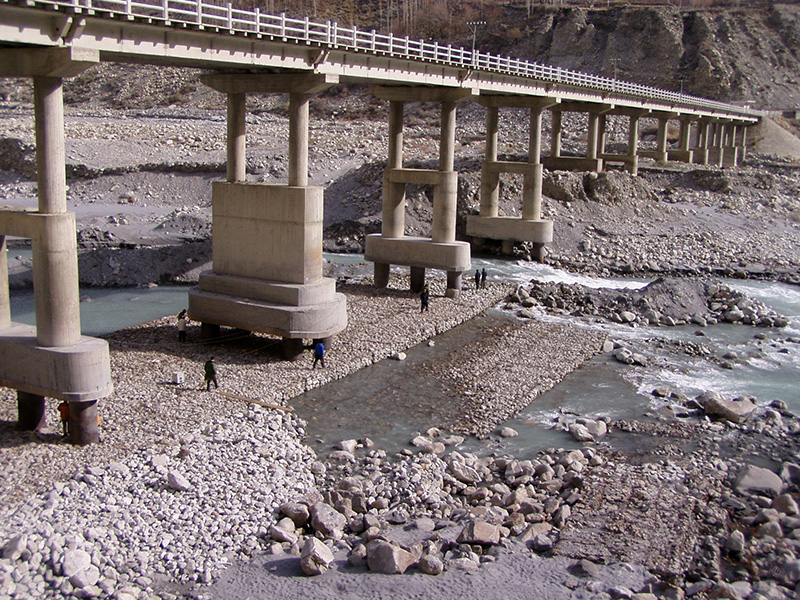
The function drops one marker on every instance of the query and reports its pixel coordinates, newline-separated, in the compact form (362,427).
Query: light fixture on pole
(473,25)
(615,62)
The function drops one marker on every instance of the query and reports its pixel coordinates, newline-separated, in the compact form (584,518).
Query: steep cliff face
(732,55)
(750,55)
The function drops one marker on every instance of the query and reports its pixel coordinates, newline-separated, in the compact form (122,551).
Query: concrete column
(591,143)
(490,181)
(395,159)
(532,182)
(662,141)
(744,142)
(209,331)
(50,156)
(5,303)
(83,424)
(55,281)
(732,129)
(445,194)
(298,139)
(381,274)
(417,279)
(292,348)
(703,140)
(601,136)
(30,409)
(633,145)
(721,134)
(394,208)
(555,134)
(686,130)
(453,283)
(447,137)
(237,145)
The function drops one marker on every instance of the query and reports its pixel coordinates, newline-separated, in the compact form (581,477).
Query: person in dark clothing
(210,374)
(483,279)
(319,355)
(182,326)
(63,410)
(424,296)
(477,279)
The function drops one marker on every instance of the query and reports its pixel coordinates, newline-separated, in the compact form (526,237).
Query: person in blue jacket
(319,355)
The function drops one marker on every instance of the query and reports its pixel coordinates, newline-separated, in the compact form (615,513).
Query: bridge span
(267,239)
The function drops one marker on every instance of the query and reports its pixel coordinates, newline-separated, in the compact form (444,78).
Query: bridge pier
(660,154)
(591,161)
(730,150)
(701,153)
(267,239)
(392,246)
(683,153)
(52,358)
(530,227)
(631,159)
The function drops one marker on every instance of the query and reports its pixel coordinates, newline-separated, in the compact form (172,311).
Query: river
(364,404)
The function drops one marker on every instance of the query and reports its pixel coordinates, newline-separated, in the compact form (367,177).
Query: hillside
(737,55)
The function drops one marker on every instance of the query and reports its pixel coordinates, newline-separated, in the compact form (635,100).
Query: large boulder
(735,411)
(327,520)
(479,532)
(464,472)
(757,480)
(297,512)
(389,559)
(315,557)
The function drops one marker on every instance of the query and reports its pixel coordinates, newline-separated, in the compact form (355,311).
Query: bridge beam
(51,359)
(267,239)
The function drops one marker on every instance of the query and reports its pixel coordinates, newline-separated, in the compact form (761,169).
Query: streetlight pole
(615,62)
(473,25)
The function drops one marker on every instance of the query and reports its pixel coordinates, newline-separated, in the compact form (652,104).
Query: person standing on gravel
(182,326)
(210,374)
(424,297)
(63,410)
(319,355)
(483,279)
(477,279)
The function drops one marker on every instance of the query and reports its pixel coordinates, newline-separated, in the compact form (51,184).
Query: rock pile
(664,302)
(456,507)
(114,530)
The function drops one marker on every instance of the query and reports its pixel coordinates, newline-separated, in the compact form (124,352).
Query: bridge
(267,239)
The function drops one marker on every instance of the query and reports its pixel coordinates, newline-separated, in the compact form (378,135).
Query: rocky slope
(741,55)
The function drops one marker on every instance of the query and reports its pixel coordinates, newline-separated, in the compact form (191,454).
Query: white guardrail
(202,15)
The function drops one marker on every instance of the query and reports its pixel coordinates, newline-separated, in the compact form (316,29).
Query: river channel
(387,401)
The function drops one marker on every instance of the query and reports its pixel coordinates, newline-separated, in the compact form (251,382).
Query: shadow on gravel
(11,437)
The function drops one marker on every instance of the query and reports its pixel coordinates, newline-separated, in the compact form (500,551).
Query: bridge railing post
(165,9)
